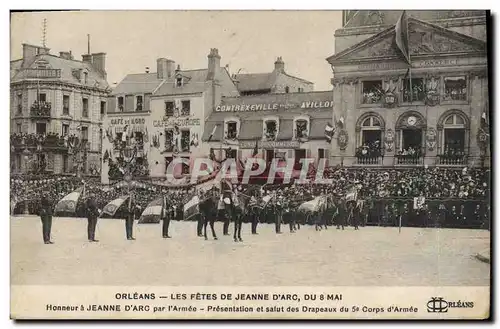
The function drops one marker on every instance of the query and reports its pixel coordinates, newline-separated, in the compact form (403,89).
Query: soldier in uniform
(167,214)
(129,220)
(342,215)
(226,213)
(277,212)
(237,217)
(209,212)
(92,214)
(441,215)
(254,213)
(46,217)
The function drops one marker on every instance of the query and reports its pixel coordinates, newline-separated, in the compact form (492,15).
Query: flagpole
(409,57)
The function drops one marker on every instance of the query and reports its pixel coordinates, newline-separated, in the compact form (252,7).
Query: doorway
(299,154)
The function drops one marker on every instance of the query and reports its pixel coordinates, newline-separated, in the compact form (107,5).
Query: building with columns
(439,117)
(56,112)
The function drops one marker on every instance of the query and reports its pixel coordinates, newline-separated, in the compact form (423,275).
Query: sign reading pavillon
(273,106)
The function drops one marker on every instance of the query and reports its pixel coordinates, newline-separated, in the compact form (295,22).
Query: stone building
(56,112)
(439,117)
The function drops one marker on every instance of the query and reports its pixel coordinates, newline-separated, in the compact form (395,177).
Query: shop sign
(172,121)
(270,144)
(273,106)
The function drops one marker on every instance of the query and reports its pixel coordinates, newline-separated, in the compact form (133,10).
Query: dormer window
(121,104)
(138,103)
(232,130)
(178,81)
(301,128)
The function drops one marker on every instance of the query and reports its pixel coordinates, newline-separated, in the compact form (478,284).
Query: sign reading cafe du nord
(273,106)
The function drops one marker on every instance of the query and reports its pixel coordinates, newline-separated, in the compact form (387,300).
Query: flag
(314,205)
(152,213)
(418,202)
(329,131)
(113,206)
(192,208)
(402,36)
(68,203)
(256,148)
(212,133)
(352,194)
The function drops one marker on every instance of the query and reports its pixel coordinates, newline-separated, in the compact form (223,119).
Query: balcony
(369,160)
(452,160)
(409,159)
(34,142)
(40,110)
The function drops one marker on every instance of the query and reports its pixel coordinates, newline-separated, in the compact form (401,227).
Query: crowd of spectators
(43,140)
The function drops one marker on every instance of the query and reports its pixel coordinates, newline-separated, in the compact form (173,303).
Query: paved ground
(370,256)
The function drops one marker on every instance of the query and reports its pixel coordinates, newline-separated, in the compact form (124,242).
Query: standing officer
(129,220)
(167,214)
(92,214)
(343,213)
(277,215)
(225,212)
(254,213)
(46,217)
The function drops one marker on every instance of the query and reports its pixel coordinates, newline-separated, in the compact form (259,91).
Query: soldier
(342,215)
(129,220)
(226,214)
(254,213)
(46,217)
(441,215)
(92,214)
(209,213)
(200,217)
(237,216)
(355,214)
(277,212)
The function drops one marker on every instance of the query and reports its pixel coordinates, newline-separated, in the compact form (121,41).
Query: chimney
(279,65)
(213,63)
(99,62)
(66,55)
(170,68)
(161,68)
(87,58)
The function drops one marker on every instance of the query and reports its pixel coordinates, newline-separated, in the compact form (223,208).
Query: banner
(192,208)
(314,205)
(152,213)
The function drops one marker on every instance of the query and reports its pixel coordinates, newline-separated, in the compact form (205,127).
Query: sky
(248,41)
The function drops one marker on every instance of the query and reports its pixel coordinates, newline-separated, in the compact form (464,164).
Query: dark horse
(208,210)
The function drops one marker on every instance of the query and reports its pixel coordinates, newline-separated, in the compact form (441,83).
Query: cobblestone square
(372,256)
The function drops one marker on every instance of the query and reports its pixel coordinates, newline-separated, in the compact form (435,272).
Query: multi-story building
(57,107)
(435,113)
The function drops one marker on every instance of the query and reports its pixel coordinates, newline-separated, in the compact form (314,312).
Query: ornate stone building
(56,112)
(439,117)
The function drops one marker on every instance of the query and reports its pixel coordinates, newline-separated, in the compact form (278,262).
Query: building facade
(435,113)
(57,107)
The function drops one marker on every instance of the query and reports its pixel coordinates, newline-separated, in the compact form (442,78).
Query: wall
(283,80)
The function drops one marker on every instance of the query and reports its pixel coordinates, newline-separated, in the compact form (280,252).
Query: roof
(261,81)
(317,105)
(95,78)
(140,83)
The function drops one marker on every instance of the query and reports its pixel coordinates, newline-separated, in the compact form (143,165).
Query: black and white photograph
(210,164)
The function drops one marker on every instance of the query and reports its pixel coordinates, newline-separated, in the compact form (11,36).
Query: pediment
(424,39)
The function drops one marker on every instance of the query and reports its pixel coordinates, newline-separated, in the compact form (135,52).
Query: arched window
(270,128)
(369,147)
(454,133)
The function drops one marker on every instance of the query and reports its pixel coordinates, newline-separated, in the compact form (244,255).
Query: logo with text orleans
(439,305)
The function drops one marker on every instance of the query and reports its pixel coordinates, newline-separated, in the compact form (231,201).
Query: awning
(250,130)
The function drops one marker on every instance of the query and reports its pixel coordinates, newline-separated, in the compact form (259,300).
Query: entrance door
(412,139)
(454,141)
(269,156)
(299,154)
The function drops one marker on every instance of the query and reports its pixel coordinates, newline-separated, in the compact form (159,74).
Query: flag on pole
(402,36)
(192,208)
(113,206)
(329,131)
(152,213)
(314,205)
(212,133)
(68,203)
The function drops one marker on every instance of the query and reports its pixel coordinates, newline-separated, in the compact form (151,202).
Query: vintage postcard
(250,164)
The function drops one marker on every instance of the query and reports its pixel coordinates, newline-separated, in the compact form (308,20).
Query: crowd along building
(57,107)
(411,89)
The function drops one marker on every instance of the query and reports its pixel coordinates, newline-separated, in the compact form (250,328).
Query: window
(65,129)
(301,129)
(85,107)
(121,104)
(85,133)
(321,153)
(369,141)
(19,103)
(372,92)
(169,109)
(186,108)
(42,97)
(287,89)
(168,160)
(232,130)
(455,89)
(169,138)
(100,138)
(41,128)
(65,163)
(271,130)
(418,87)
(103,108)
(185,135)
(300,89)
(454,135)
(185,167)
(231,153)
(178,81)
(19,128)
(65,104)
(138,103)
(85,77)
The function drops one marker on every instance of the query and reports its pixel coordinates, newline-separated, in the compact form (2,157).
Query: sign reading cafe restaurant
(273,106)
